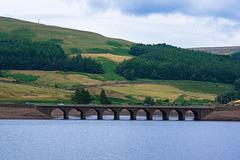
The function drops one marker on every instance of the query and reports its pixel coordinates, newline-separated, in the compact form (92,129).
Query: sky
(182,23)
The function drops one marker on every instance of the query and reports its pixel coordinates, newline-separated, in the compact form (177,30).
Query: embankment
(20,111)
(223,114)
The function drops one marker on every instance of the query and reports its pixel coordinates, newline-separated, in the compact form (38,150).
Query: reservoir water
(118,140)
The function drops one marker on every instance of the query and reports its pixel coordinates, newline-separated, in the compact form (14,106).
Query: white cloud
(178,28)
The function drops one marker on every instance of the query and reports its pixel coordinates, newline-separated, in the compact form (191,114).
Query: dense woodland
(27,55)
(166,62)
(236,55)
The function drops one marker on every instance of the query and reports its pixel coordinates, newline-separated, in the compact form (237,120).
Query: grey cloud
(139,7)
(214,8)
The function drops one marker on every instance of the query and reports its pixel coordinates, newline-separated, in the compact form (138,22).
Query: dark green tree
(236,55)
(76,96)
(86,97)
(166,100)
(149,100)
(81,97)
(1,74)
(237,84)
(103,98)
(27,55)
(128,74)
(159,102)
(226,97)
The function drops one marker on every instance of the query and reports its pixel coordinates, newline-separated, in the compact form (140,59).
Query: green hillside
(166,62)
(72,41)
(56,87)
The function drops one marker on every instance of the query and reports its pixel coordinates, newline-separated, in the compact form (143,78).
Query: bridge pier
(116,116)
(181,117)
(116,113)
(149,116)
(197,117)
(100,113)
(181,114)
(133,114)
(65,116)
(83,112)
(100,116)
(149,113)
(65,112)
(83,115)
(165,114)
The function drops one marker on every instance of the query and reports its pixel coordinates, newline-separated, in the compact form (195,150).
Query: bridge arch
(173,114)
(142,114)
(181,114)
(59,112)
(92,114)
(109,114)
(195,113)
(74,114)
(125,114)
(157,115)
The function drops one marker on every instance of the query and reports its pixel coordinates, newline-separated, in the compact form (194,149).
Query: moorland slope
(72,41)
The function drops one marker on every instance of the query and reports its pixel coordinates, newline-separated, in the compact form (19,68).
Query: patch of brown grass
(139,91)
(115,58)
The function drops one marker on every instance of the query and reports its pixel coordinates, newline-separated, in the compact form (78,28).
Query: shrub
(149,100)
(226,97)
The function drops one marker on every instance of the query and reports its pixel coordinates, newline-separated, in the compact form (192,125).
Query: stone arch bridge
(198,111)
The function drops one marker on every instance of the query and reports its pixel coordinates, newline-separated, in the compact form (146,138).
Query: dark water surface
(118,140)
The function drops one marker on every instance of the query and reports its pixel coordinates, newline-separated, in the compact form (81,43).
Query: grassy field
(140,91)
(72,41)
(109,63)
(121,94)
(61,79)
(187,81)
(9,91)
(200,89)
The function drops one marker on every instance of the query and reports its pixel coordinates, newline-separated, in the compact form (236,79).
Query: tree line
(48,56)
(82,96)
(166,62)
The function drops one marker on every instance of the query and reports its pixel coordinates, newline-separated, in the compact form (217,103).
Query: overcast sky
(183,23)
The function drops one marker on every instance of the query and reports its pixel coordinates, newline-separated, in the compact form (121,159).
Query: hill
(218,50)
(166,62)
(72,41)
(57,86)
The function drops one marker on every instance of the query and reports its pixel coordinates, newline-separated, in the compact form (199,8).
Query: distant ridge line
(218,50)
